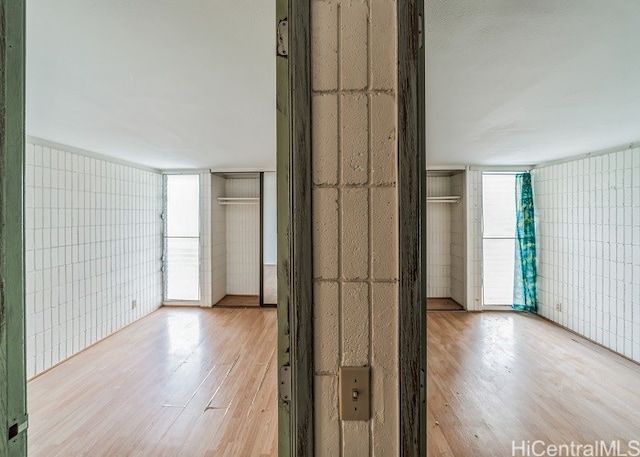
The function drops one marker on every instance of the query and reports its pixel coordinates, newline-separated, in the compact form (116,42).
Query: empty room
(149,226)
(449,192)
(533,228)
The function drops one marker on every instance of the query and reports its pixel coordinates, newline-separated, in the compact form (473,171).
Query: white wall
(270,220)
(218,240)
(243,238)
(93,246)
(473,209)
(438,238)
(206,247)
(458,241)
(588,228)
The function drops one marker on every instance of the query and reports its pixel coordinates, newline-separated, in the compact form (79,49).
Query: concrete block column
(354,152)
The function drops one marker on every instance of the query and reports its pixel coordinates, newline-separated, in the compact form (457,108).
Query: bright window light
(499,233)
(182,242)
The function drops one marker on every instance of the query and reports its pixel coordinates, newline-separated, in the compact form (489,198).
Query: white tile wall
(206,275)
(93,246)
(473,208)
(458,241)
(243,239)
(438,238)
(218,240)
(588,228)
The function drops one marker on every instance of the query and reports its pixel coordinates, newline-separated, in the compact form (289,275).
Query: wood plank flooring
(179,382)
(202,382)
(443,304)
(239,300)
(497,377)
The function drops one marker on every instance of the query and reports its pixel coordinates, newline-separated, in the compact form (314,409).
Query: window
(498,237)
(182,238)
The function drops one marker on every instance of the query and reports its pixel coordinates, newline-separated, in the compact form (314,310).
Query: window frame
(165,237)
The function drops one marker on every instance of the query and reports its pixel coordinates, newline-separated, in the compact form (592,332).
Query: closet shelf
(239,200)
(445,199)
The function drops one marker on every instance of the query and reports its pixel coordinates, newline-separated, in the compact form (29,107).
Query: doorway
(446,240)
(293,188)
(235,225)
(243,239)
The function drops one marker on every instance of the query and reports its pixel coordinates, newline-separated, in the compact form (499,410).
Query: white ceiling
(191,84)
(527,81)
(163,83)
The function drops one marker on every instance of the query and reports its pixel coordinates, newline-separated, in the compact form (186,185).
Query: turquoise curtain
(525,288)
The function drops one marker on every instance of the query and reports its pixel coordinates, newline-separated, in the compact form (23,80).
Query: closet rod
(444,199)
(238,200)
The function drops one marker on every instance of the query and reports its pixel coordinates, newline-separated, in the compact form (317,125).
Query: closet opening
(243,239)
(446,240)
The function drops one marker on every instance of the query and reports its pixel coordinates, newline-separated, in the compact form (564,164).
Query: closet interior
(446,240)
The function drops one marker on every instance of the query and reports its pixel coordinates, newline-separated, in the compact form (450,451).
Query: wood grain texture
(443,304)
(12,312)
(412,227)
(179,382)
(239,300)
(283,174)
(301,294)
(495,377)
(4,420)
(295,285)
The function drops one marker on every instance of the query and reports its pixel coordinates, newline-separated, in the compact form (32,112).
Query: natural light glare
(499,230)
(182,205)
(499,275)
(499,205)
(183,331)
(182,243)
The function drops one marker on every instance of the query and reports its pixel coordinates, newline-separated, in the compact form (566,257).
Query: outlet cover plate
(355,393)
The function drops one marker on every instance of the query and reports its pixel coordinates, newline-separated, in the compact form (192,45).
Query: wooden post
(295,266)
(412,226)
(13,436)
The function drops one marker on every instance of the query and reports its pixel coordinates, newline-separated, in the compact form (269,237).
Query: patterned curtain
(525,289)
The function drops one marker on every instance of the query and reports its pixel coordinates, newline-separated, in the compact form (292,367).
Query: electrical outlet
(559,307)
(134,303)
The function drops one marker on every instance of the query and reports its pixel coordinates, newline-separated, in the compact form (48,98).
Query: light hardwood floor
(242,301)
(180,382)
(495,377)
(194,382)
(443,304)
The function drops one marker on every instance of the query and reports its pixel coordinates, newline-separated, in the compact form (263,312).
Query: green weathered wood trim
(295,266)
(411,215)
(421,308)
(284,234)
(13,407)
(301,228)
